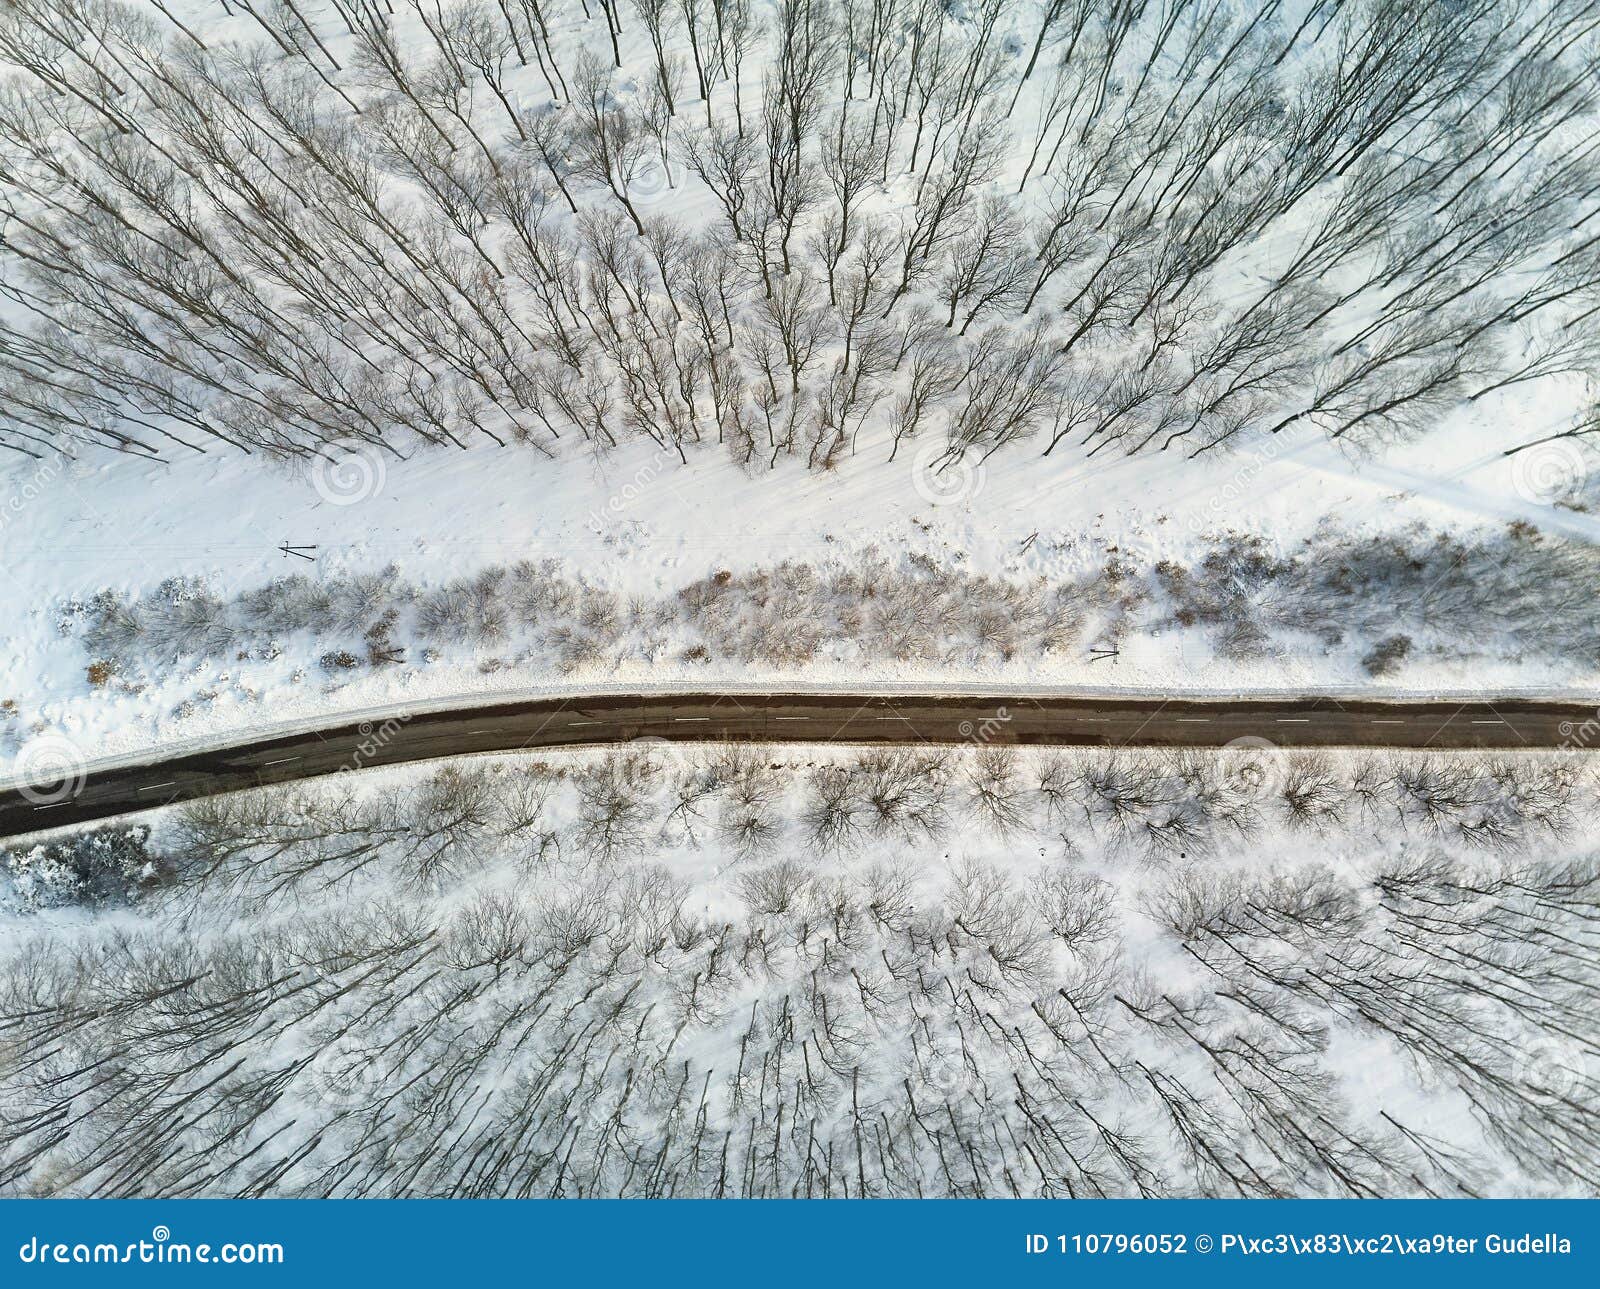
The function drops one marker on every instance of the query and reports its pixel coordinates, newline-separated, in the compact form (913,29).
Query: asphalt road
(819,718)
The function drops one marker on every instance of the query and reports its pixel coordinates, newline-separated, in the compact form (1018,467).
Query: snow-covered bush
(104,867)
(1503,595)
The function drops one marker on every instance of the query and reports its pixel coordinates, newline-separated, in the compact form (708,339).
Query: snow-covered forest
(365,356)
(797,230)
(749,971)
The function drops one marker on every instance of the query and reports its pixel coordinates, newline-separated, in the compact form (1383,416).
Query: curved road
(799,718)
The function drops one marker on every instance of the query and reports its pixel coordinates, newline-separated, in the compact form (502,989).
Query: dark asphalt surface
(801,718)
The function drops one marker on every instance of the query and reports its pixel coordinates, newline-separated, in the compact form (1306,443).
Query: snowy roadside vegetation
(756,971)
(1393,600)
(797,231)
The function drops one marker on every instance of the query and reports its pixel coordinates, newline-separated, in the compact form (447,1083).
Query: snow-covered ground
(800,970)
(1189,950)
(641,525)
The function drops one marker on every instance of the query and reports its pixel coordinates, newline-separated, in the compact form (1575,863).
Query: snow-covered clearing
(444,517)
